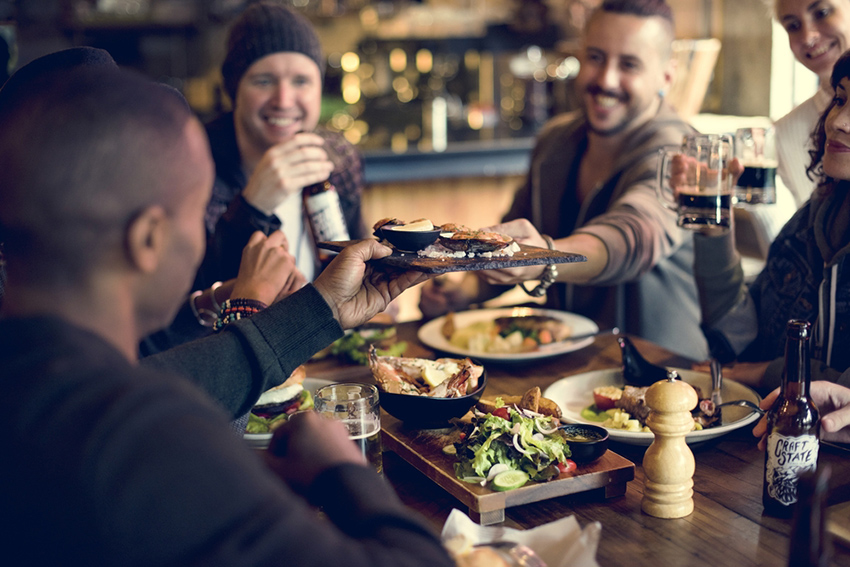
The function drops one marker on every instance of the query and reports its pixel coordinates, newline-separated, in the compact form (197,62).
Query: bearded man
(591,186)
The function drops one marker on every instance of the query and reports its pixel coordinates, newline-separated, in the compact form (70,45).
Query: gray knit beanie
(262,29)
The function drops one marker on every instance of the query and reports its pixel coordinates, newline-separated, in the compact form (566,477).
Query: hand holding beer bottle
(793,426)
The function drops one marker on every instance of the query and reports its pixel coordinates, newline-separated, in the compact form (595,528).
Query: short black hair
(67,194)
(642,8)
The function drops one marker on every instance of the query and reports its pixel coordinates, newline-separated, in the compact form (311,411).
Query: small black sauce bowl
(425,412)
(409,240)
(586,451)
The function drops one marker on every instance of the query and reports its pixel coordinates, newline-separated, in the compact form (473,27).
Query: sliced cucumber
(449,450)
(509,480)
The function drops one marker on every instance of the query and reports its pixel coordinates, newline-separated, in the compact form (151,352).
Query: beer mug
(696,173)
(755,148)
(356,406)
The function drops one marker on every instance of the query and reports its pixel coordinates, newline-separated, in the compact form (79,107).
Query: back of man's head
(82,151)
(73,57)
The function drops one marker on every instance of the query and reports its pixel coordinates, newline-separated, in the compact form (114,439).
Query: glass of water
(358,408)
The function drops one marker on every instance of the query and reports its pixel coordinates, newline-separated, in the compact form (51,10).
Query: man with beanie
(267,150)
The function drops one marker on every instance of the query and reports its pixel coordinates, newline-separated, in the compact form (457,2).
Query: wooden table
(726,527)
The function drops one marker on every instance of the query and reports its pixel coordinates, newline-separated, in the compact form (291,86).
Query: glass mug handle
(665,158)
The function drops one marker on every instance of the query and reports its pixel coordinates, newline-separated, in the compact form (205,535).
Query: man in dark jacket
(268,149)
(109,463)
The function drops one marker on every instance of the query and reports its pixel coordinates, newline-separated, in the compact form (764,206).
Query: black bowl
(409,240)
(587,442)
(425,412)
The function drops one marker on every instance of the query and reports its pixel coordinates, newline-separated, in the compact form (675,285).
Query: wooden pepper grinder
(669,463)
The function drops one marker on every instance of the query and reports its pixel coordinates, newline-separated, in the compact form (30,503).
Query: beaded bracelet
(235,309)
(205,317)
(550,274)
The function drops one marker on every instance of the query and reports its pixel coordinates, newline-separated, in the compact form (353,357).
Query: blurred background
(442,97)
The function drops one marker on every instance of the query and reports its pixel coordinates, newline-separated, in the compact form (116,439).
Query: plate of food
(277,404)
(508,334)
(626,412)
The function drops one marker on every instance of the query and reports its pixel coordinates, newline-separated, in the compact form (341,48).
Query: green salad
(354,346)
(516,439)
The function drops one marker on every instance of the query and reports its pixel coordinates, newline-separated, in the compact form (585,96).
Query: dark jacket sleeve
(232,232)
(183,329)
(252,355)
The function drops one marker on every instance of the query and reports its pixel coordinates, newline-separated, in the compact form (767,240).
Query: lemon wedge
(435,374)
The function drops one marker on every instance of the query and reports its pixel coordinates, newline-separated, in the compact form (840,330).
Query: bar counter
(727,526)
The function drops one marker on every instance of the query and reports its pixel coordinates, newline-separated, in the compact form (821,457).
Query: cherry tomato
(567,466)
(605,397)
(462,436)
(502,412)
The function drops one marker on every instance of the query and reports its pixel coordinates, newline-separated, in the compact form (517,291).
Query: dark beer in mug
(698,209)
(757,185)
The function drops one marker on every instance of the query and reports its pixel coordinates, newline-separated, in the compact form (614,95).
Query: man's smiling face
(624,66)
(278,96)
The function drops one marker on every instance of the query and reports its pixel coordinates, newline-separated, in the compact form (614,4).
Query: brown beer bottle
(793,426)
(321,201)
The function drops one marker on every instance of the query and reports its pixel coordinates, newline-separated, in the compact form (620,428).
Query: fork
(744,404)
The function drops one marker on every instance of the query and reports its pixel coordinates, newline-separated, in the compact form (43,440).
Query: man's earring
(661,93)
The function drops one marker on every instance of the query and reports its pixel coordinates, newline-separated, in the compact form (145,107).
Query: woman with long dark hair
(807,274)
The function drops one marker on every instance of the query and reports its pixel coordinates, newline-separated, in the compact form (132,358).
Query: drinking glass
(357,407)
(698,180)
(755,148)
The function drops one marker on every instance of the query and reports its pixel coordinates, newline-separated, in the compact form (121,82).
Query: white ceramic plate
(575,393)
(430,333)
(261,440)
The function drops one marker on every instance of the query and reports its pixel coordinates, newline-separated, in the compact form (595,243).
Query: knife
(716,381)
(611,331)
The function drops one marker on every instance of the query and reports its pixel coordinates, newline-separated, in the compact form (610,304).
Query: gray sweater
(647,287)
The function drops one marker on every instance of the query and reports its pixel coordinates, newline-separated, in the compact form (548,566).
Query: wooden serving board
(423,448)
(527,256)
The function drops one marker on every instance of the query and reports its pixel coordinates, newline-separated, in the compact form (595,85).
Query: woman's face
(818,31)
(836,156)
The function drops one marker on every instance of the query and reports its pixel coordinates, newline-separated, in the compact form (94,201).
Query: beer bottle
(793,425)
(321,201)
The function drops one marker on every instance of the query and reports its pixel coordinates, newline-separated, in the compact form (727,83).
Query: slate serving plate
(527,256)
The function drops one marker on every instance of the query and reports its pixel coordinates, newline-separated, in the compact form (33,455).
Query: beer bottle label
(326,215)
(787,458)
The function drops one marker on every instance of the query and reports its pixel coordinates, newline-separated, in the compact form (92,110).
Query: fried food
(463,239)
(532,400)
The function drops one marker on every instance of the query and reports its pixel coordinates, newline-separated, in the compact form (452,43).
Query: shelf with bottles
(425,95)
